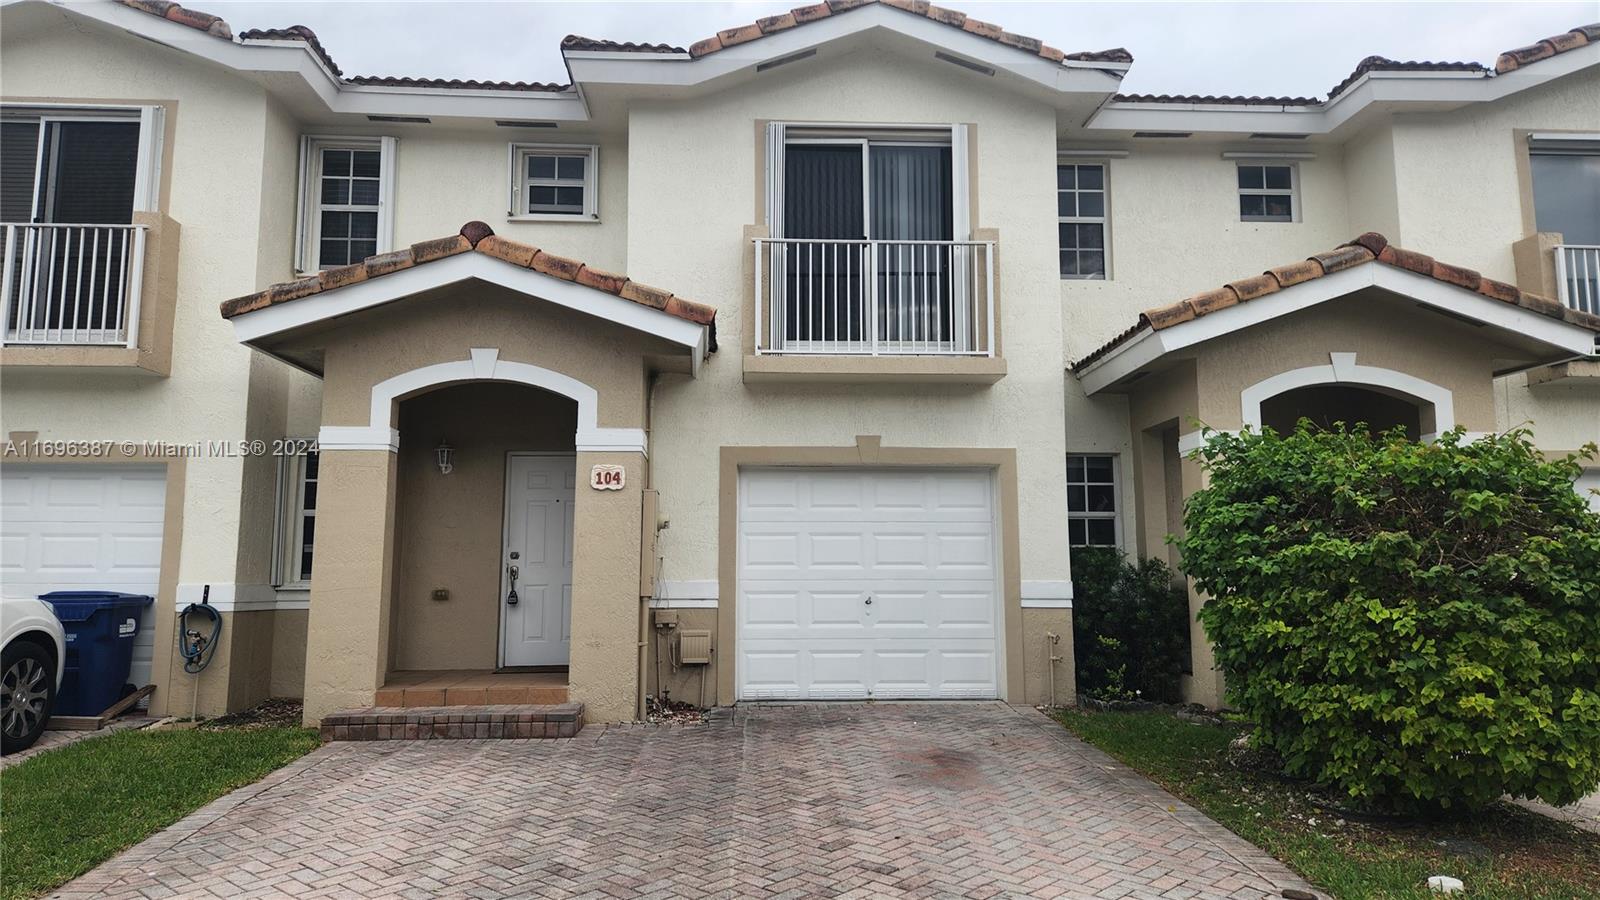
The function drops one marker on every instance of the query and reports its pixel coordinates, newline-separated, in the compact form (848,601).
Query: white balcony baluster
(1578,276)
(71,284)
(874,298)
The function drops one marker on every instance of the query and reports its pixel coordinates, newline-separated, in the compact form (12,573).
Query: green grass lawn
(65,811)
(1503,852)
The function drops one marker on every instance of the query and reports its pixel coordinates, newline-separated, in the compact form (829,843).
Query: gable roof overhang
(1540,328)
(270,319)
(1068,81)
(1369,93)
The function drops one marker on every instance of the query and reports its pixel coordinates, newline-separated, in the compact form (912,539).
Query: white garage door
(867,583)
(82,527)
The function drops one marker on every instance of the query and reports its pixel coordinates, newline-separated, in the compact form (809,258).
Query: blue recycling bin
(101,627)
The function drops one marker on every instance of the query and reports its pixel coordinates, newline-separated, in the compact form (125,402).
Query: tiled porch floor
(471,687)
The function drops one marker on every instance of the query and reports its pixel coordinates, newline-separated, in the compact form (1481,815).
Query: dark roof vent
(411,120)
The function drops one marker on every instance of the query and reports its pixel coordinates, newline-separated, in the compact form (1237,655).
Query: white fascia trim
(234,598)
(1422,89)
(626,55)
(654,69)
(1047,594)
(296,57)
(276,319)
(1456,301)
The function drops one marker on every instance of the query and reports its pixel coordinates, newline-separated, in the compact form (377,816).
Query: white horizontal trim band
(1040,589)
(702,603)
(1047,604)
(228,597)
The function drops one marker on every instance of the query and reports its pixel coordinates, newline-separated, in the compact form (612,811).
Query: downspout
(640,711)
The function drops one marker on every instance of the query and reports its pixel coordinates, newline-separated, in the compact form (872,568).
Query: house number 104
(607,478)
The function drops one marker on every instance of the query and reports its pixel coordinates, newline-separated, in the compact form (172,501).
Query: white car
(30,670)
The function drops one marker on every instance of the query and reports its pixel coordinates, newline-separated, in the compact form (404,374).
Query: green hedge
(1415,624)
(1130,626)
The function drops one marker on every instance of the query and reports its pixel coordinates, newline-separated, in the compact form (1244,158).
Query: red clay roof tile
(480,238)
(1352,253)
(1581,36)
(579,42)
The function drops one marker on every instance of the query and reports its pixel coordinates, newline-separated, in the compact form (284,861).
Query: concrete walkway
(974,800)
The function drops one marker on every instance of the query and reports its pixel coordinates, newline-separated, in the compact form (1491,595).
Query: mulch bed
(278,712)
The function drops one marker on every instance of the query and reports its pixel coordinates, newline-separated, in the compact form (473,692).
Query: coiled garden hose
(197,649)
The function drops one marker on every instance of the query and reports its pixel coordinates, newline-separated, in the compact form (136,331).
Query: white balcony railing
(72,284)
(1578,276)
(874,298)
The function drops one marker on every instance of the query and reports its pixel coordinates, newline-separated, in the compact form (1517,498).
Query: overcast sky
(1204,48)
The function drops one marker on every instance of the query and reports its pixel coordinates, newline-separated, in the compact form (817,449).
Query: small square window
(1267,192)
(555,181)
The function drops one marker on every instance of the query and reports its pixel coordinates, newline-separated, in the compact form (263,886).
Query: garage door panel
(84,527)
(816,544)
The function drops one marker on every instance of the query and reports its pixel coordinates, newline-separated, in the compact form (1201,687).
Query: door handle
(869,599)
(511,575)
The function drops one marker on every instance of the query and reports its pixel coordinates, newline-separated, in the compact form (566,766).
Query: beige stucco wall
(703,158)
(1469,166)
(450,527)
(380,547)
(1382,332)
(432,328)
(1039,673)
(289,653)
(694,684)
(228,183)
(444,178)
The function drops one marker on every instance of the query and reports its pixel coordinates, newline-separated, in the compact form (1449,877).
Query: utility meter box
(694,646)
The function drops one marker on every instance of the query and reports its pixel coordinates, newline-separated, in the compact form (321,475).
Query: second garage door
(862,583)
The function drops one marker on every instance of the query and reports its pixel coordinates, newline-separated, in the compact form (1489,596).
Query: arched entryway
(510,489)
(1325,405)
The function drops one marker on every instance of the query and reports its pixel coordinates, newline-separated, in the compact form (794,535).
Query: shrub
(1417,625)
(1130,626)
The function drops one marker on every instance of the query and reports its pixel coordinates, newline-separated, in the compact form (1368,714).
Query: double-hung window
(346,200)
(297,519)
(555,182)
(1081,216)
(1092,519)
(1267,192)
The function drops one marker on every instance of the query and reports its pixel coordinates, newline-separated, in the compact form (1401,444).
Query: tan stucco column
(604,669)
(347,639)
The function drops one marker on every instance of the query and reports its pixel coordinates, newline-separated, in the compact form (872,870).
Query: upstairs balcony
(874,297)
(97,296)
(1578,276)
(88,264)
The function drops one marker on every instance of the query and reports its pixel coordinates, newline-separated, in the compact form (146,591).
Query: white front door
(861,583)
(536,604)
(84,528)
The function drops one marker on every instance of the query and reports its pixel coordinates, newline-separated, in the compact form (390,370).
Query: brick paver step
(421,723)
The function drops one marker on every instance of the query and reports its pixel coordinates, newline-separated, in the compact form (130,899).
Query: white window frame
(1103,220)
(1293,190)
(152,138)
(520,181)
(1115,515)
(781,134)
(289,520)
(308,221)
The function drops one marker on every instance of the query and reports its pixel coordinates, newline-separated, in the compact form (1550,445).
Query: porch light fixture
(446,456)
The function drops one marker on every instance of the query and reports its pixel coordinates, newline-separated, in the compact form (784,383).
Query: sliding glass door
(867,256)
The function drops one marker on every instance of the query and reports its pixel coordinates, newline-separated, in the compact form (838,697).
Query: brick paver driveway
(845,800)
